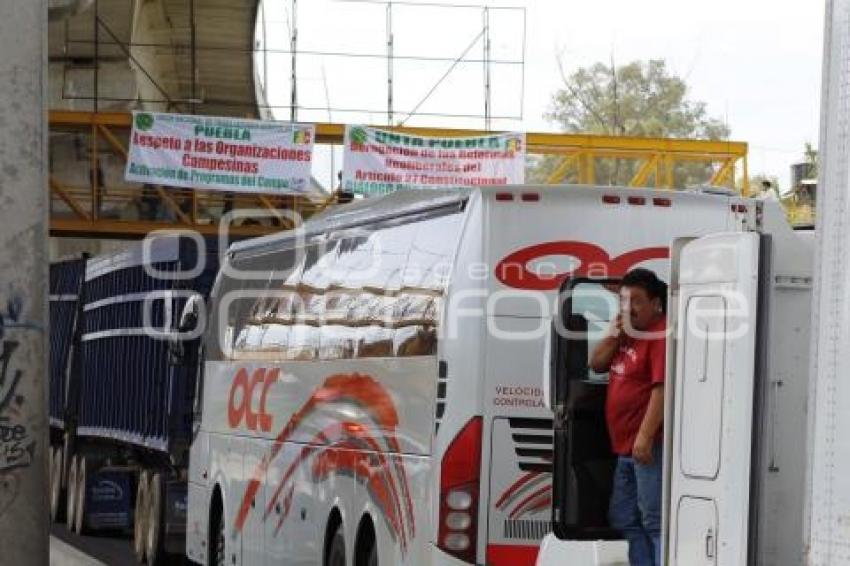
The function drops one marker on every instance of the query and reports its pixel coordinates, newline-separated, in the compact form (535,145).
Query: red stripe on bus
(507,555)
(516,487)
(362,390)
(520,507)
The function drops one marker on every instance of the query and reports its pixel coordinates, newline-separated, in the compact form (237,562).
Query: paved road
(110,550)
(63,554)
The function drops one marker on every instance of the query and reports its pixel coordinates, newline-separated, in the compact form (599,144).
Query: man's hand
(616,329)
(642,450)
(600,360)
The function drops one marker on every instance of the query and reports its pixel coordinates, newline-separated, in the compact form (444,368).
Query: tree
(638,99)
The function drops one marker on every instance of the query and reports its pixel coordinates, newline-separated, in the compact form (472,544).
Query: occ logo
(240,403)
(591,259)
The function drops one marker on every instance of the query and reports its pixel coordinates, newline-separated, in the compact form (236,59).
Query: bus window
(321,265)
(246,303)
(375,342)
(337,342)
(276,335)
(417,340)
(303,343)
(338,305)
(415,307)
(431,254)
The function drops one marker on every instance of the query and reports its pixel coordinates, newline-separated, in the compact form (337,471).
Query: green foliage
(640,99)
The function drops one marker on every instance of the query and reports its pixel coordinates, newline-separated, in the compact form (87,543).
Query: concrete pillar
(827,513)
(23,283)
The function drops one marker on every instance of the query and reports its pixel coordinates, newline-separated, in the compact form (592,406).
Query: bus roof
(393,205)
(410,202)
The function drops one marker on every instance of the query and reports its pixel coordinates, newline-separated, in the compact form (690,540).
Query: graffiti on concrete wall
(17,447)
(10,486)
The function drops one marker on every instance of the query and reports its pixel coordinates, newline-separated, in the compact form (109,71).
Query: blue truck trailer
(120,409)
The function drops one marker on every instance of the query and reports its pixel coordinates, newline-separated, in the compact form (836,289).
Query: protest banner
(378,161)
(220,153)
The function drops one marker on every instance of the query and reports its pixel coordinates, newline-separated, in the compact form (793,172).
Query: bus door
(583,466)
(714,371)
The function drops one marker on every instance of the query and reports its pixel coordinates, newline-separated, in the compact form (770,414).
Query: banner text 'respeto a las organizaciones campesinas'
(220,153)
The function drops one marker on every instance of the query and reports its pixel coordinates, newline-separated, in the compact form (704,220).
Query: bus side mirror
(177,351)
(188,322)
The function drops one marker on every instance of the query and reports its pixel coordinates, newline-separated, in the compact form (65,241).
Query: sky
(755,63)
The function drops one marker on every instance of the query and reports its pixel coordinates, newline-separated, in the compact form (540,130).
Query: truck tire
(56,485)
(71,494)
(66,459)
(140,522)
(153,540)
(83,465)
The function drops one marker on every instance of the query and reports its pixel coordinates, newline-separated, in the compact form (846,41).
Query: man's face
(637,307)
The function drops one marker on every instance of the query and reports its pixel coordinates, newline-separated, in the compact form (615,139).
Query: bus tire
(366,547)
(153,540)
(71,494)
(217,555)
(56,485)
(83,465)
(140,523)
(335,555)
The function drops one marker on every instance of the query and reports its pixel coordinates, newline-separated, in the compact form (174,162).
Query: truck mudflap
(109,500)
(175,516)
(520,490)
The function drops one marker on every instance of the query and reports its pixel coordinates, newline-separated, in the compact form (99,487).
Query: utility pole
(23,283)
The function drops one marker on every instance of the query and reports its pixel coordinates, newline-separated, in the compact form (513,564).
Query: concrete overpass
(192,56)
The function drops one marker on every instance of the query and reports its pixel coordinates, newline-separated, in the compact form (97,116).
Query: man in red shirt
(634,355)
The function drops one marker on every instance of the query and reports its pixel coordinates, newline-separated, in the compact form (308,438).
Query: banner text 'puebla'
(378,161)
(220,153)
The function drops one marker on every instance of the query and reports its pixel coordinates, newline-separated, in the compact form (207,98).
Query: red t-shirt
(635,369)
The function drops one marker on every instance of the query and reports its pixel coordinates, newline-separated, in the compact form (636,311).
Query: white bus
(371,390)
